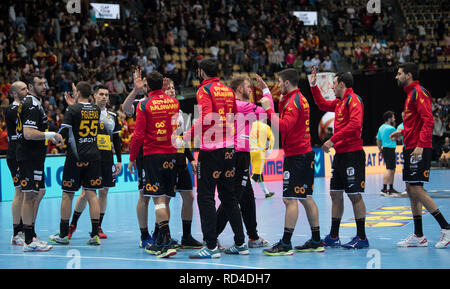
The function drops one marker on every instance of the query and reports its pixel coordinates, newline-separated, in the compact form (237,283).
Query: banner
(106,10)
(375,163)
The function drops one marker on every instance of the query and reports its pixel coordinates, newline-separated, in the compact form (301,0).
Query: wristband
(49,134)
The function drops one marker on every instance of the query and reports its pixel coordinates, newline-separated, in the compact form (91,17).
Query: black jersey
(11,123)
(82,123)
(109,128)
(30,113)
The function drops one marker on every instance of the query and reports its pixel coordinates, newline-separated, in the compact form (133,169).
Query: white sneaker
(444,240)
(36,246)
(18,240)
(413,241)
(259,243)
(43,243)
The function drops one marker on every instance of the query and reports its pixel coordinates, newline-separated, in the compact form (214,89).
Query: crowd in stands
(172,36)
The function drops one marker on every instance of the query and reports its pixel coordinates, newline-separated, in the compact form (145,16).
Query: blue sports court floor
(388,221)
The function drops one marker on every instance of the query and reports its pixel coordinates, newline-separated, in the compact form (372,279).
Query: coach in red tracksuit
(155,126)
(298,167)
(417,136)
(216,160)
(349,162)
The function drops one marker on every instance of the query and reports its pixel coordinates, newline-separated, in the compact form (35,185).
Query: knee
(337,196)
(355,198)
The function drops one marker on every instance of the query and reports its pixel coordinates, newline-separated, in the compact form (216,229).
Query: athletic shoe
(269,195)
(190,243)
(40,241)
(384,193)
(58,240)
(153,249)
(206,253)
(237,250)
(94,241)
(167,250)
(394,193)
(444,240)
(356,243)
(146,242)
(18,240)
(219,246)
(311,246)
(72,229)
(413,241)
(279,249)
(36,246)
(101,235)
(331,242)
(258,243)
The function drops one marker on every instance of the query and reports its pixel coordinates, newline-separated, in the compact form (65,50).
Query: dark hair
(210,66)
(85,89)
(346,78)
(290,75)
(387,115)
(29,79)
(98,87)
(155,80)
(410,67)
(237,81)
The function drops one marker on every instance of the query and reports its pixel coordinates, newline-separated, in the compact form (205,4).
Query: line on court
(132,259)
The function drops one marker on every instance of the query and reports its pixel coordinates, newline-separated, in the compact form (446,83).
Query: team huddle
(231,133)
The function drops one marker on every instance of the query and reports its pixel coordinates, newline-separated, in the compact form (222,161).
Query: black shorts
(389,158)
(184,181)
(31,176)
(417,171)
(258,178)
(160,175)
(81,174)
(298,176)
(140,173)
(108,174)
(14,169)
(349,172)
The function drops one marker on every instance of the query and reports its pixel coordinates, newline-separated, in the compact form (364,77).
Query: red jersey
(156,118)
(215,125)
(293,123)
(348,122)
(418,121)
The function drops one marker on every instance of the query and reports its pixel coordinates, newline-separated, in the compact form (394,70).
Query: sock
(335,224)
(418,226)
(186,228)
(360,228)
(287,235)
(263,187)
(63,228)
(16,228)
(101,219)
(164,233)
(28,229)
(75,217)
(94,223)
(144,233)
(156,231)
(34,232)
(315,231)
(384,187)
(440,219)
(390,187)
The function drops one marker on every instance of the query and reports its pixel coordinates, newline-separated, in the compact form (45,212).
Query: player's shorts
(14,169)
(108,174)
(160,175)
(257,159)
(389,158)
(258,178)
(349,172)
(417,172)
(298,176)
(81,174)
(140,173)
(184,181)
(31,176)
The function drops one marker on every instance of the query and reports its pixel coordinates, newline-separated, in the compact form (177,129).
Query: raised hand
(260,82)
(313,76)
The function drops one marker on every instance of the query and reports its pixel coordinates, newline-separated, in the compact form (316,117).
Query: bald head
(18,90)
